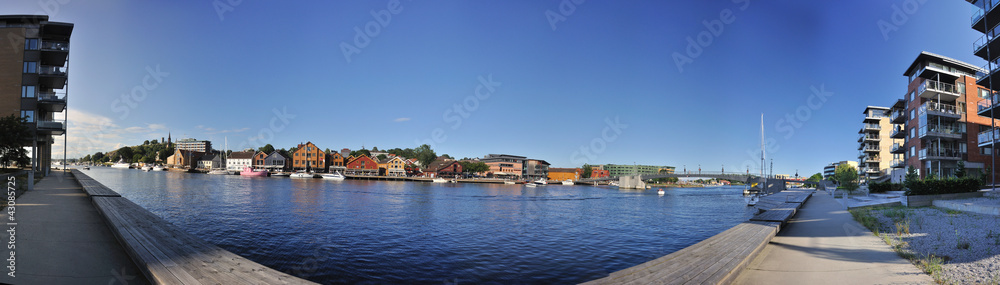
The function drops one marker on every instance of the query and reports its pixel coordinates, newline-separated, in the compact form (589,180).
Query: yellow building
(392,166)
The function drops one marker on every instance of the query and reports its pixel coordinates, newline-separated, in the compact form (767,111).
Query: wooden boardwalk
(720,258)
(166,254)
(716,260)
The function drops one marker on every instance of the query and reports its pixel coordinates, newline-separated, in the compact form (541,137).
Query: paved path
(62,239)
(824,245)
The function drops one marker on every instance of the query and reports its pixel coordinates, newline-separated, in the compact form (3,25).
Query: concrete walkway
(824,245)
(62,239)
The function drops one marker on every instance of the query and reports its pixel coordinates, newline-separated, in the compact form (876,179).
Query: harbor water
(373,232)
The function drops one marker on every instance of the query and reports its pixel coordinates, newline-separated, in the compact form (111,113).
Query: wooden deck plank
(707,262)
(775,215)
(170,255)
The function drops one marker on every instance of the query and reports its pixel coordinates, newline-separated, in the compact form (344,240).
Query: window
(986,151)
(912,114)
(912,133)
(30,67)
(30,44)
(27,91)
(29,115)
(983,93)
(961,87)
(913,151)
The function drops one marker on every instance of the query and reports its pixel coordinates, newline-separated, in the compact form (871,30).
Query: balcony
(983,15)
(898,117)
(941,109)
(870,148)
(898,148)
(937,72)
(51,102)
(869,138)
(872,171)
(931,89)
(898,133)
(942,131)
(872,159)
(54,53)
(940,154)
(53,77)
(50,127)
(988,138)
(898,163)
(985,108)
(871,128)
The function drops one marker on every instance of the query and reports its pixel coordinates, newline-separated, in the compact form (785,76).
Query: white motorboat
(509,182)
(439,180)
(532,185)
(301,174)
(86,168)
(159,168)
(333,176)
(218,172)
(542,181)
(121,164)
(661,192)
(147,168)
(568,182)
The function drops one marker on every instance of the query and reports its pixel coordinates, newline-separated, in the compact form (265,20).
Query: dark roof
(439,164)
(923,56)
(242,155)
(210,156)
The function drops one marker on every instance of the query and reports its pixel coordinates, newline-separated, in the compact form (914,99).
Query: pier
(166,254)
(720,258)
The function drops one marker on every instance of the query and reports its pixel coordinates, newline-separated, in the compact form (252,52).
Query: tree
(268,149)
(360,152)
(374,148)
(381,157)
(587,171)
(474,166)
(136,158)
(447,156)
(85,158)
(960,169)
(124,153)
(815,177)
(425,154)
(148,159)
(167,152)
(847,176)
(15,132)
(97,157)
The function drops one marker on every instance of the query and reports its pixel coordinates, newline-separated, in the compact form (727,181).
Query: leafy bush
(882,187)
(935,186)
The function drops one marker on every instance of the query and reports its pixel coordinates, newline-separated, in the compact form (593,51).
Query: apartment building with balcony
(37,91)
(875,144)
(831,168)
(984,20)
(193,145)
(897,119)
(942,100)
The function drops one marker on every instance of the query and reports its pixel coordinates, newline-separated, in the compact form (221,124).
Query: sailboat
(222,171)
(752,193)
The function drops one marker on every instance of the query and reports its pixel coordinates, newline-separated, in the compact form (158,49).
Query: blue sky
(275,72)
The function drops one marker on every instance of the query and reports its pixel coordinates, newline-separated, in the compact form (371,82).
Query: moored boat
(159,168)
(247,171)
(301,174)
(439,180)
(333,176)
(568,182)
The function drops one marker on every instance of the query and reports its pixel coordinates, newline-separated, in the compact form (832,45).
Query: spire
(168,137)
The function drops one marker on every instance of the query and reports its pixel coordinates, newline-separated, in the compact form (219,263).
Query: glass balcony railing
(873,127)
(870,148)
(936,152)
(897,163)
(936,86)
(990,136)
(986,103)
(940,108)
(896,147)
(51,70)
(60,46)
(50,96)
(897,114)
(942,130)
(58,125)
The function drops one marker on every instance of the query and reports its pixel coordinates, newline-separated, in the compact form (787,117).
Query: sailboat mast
(762,144)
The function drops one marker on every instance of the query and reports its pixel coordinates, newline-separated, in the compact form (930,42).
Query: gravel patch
(969,243)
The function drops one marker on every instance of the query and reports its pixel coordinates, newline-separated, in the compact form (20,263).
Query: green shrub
(935,186)
(882,187)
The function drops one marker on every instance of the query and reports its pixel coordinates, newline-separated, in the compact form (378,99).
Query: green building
(633,169)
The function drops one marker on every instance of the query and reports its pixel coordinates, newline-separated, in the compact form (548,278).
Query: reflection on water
(405,232)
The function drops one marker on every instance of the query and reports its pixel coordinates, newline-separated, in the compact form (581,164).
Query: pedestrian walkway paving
(60,238)
(824,245)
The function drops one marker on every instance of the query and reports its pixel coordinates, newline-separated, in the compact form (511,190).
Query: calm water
(407,232)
